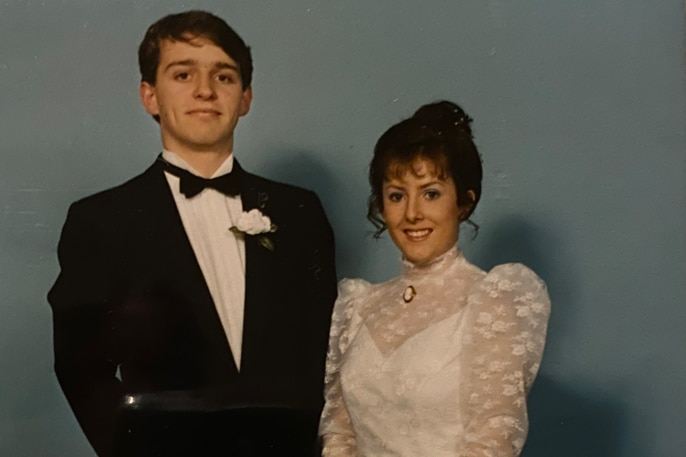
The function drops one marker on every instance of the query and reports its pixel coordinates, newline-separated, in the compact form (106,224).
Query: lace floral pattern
(445,374)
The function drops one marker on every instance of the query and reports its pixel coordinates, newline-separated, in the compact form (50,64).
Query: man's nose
(204,87)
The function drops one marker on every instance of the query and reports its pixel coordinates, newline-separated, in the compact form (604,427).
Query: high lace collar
(436,265)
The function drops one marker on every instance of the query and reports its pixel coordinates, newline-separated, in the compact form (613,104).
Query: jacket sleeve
(320,272)
(82,305)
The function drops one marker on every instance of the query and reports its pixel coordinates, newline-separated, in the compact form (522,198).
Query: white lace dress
(445,374)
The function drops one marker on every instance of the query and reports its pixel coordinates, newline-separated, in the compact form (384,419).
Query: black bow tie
(191,185)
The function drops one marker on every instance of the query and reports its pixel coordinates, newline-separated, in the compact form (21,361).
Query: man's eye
(222,78)
(182,76)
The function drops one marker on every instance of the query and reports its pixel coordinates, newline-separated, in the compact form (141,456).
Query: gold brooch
(409,294)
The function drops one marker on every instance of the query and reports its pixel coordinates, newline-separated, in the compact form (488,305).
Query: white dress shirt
(207,218)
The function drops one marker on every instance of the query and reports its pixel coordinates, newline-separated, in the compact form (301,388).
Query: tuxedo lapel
(169,246)
(260,262)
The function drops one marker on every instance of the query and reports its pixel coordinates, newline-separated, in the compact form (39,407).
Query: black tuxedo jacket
(132,312)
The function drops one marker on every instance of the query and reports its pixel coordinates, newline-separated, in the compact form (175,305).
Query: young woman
(438,361)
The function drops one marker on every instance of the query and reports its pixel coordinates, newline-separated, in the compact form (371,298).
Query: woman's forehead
(419,166)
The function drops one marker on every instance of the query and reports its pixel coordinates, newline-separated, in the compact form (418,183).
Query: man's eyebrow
(226,66)
(184,62)
(219,65)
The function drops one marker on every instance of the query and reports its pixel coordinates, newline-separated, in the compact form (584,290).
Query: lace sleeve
(335,427)
(506,320)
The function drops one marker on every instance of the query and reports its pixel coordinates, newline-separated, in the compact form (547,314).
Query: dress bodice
(434,362)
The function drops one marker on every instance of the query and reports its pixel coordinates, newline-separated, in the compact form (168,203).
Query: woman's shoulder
(353,287)
(509,278)
(345,319)
(511,289)
(351,292)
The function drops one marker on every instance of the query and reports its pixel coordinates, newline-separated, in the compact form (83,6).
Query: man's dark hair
(185,27)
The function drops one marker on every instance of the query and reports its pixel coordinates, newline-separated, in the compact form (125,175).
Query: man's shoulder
(288,205)
(129,193)
(278,191)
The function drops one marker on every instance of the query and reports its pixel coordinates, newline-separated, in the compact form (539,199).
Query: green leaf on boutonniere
(266,243)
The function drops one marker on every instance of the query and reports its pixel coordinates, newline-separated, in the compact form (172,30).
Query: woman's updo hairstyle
(440,133)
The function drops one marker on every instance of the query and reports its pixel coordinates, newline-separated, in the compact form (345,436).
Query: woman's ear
(467,207)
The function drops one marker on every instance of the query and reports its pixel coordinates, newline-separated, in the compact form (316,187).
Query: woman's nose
(413,210)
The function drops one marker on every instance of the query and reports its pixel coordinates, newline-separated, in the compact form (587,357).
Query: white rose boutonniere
(252,223)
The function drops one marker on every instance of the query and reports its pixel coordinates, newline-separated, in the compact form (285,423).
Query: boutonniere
(253,223)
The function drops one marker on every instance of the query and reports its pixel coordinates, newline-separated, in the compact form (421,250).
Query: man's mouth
(204,112)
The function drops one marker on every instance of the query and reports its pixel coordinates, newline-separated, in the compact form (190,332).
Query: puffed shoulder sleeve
(506,319)
(335,427)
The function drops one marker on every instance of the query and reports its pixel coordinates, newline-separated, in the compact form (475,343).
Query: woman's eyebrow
(433,183)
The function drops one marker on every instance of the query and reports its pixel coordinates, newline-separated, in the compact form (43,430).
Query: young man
(196,279)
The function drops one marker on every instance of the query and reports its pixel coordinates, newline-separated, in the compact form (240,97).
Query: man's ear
(246,100)
(149,98)
(472,197)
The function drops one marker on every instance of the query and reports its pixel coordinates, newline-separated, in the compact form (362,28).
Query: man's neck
(205,163)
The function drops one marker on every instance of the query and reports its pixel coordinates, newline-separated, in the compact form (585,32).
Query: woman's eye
(432,194)
(395,196)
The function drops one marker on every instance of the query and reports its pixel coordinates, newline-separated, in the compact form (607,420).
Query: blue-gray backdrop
(579,112)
